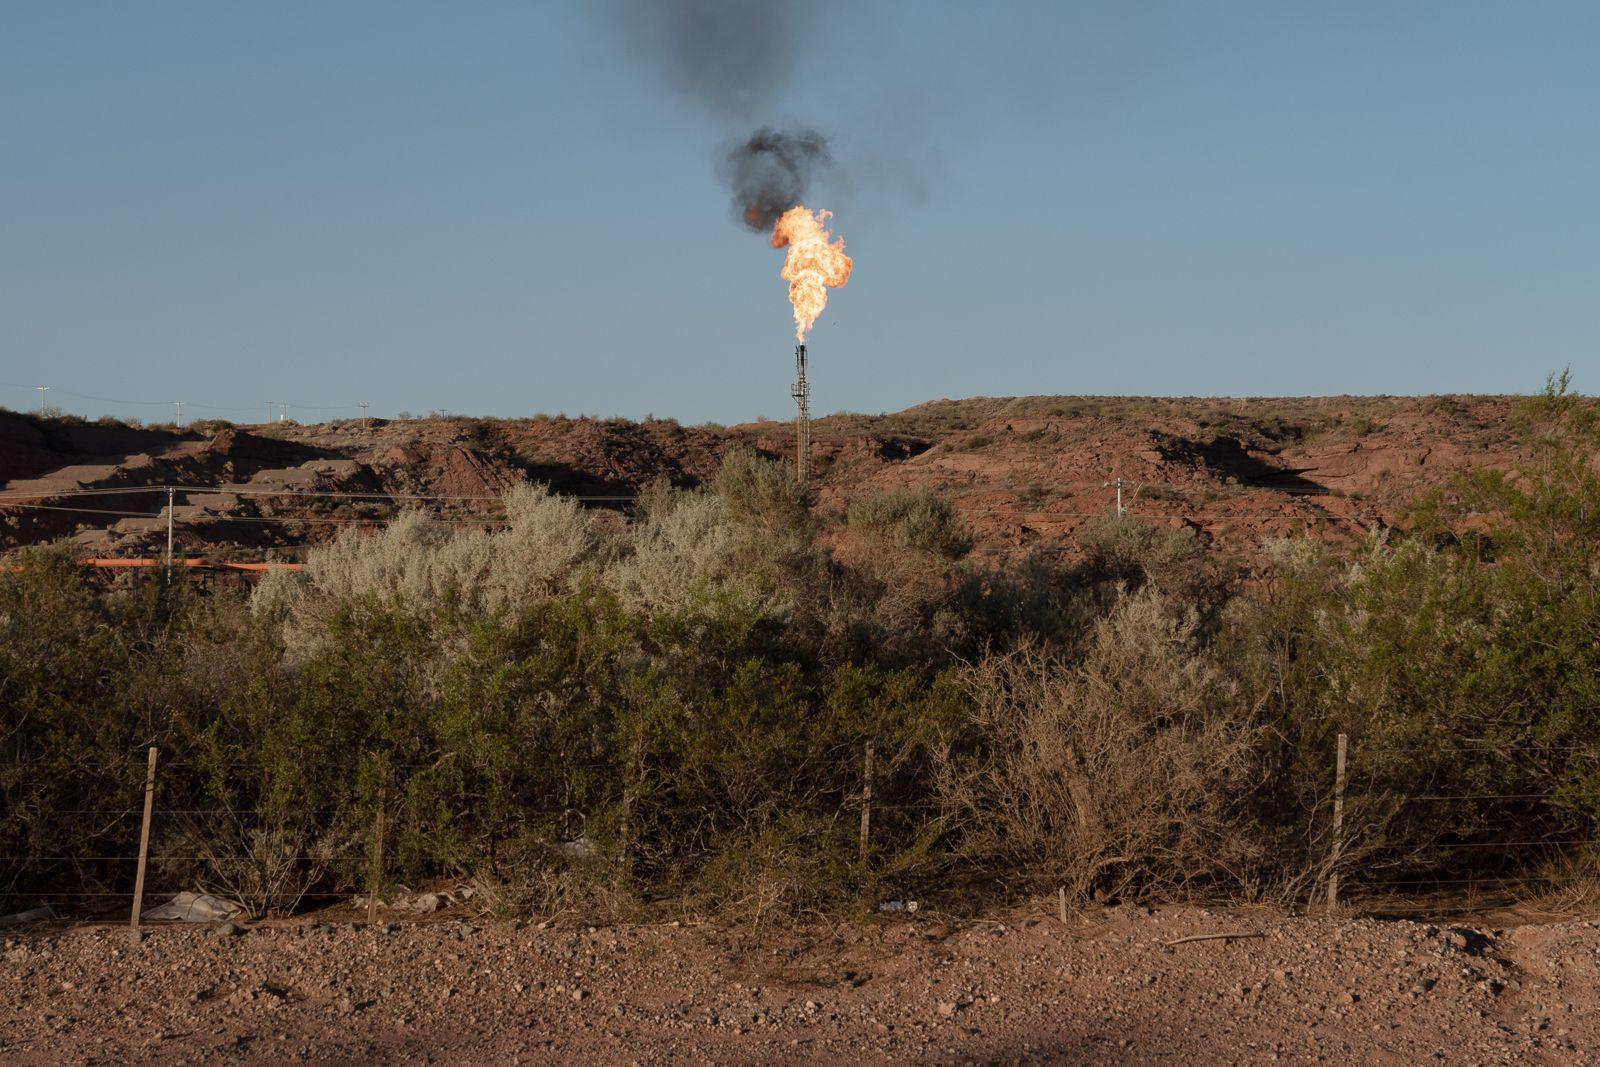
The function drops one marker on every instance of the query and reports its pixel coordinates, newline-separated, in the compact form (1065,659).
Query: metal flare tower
(802,418)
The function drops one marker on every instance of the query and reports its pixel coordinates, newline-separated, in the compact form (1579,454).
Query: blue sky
(497,208)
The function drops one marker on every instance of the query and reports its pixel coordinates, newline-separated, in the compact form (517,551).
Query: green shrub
(674,715)
(918,521)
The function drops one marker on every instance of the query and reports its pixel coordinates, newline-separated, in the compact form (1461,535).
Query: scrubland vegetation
(674,715)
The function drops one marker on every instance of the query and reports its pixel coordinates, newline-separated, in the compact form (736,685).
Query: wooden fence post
(866,805)
(144,845)
(377,860)
(1338,825)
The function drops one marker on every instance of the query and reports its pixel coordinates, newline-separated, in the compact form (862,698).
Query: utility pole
(283,411)
(269,413)
(365,423)
(178,404)
(42,390)
(169,531)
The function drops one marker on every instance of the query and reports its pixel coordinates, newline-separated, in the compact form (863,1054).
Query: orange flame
(813,266)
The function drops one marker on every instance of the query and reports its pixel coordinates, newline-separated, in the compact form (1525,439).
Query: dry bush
(900,558)
(744,543)
(545,550)
(1567,886)
(775,871)
(269,870)
(917,521)
(1122,772)
(764,496)
(597,893)
(678,555)
(1041,598)
(1130,552)
(1129,547)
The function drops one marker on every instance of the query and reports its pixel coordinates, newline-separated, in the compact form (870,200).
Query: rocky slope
(1024,471)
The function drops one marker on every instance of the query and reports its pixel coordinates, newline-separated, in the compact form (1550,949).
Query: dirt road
(1103,989)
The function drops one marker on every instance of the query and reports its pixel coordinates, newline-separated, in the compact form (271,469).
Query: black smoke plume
(768,173)
(733,56)
(736,58)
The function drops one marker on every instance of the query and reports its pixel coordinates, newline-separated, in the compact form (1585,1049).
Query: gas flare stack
(802,418)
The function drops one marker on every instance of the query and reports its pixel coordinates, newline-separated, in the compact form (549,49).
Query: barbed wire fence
(1354,872)
(214,848)
(53,500)
(865,805)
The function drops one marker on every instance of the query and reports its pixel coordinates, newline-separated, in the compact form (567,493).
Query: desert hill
(1024,471)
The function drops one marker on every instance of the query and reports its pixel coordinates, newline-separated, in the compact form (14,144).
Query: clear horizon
(507,210)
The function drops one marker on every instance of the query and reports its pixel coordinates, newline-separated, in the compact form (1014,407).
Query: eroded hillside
(1023,471)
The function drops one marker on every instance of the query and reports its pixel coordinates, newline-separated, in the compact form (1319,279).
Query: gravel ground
(1104,988)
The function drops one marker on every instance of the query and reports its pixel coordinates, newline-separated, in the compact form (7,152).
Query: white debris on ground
(32,915)
(194,908)
(428,903)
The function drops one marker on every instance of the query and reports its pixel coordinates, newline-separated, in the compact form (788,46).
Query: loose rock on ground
(1101,989)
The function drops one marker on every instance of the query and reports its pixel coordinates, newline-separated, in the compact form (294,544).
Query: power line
(320,520)
(58,493)
(379,495)
(113,400)
(129,402)
(89,511)
(222,490)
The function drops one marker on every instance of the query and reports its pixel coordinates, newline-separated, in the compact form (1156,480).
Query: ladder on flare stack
(802,418)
